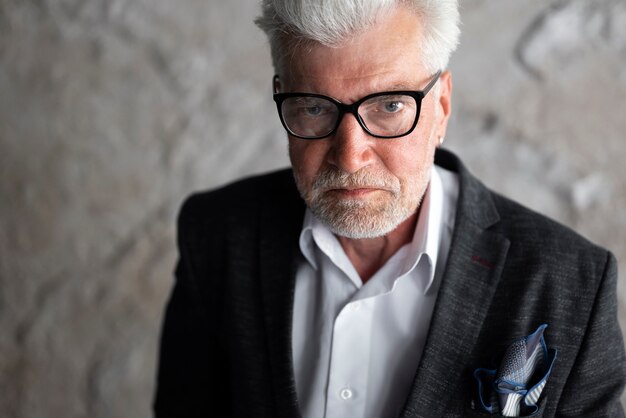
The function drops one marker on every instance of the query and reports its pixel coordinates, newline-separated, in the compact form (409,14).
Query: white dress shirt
(356,346)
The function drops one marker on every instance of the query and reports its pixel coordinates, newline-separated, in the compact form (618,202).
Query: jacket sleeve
(191,380)
(596,381)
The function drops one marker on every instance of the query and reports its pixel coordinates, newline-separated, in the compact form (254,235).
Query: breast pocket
(472,413)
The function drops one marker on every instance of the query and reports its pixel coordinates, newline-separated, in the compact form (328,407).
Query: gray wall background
(112,111)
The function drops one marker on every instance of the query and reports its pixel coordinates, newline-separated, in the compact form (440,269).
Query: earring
(441,140)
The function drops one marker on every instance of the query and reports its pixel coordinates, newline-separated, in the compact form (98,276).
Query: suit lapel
(280,222)
(469,282)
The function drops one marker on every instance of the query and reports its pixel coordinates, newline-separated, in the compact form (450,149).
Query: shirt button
(355,306)
(345,394)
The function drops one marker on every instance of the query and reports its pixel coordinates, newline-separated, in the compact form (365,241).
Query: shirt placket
(349,362)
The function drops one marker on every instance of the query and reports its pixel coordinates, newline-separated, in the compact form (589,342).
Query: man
(379,278)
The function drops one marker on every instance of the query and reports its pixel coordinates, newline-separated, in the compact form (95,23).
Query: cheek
(411,157)
(306,157)
(411,161)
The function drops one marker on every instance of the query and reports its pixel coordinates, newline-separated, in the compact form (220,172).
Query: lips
(355,189)
(361,183)
(356,192)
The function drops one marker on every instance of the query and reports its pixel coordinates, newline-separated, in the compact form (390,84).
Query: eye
(393,106)
(388,105)
(310,107)
(312,110)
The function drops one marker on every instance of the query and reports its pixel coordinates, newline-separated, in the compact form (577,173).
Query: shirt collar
(317,235)
(428,230)
(425,238)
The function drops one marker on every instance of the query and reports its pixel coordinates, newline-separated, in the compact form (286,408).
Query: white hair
(290,23)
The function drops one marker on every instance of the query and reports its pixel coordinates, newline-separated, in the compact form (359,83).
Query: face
(359,185)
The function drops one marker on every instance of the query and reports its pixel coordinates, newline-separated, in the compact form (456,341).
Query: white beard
(376,215)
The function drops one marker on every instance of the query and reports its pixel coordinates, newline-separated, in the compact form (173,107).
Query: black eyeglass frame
(418,96)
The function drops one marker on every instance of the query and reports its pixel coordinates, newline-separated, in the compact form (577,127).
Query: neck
(370,254)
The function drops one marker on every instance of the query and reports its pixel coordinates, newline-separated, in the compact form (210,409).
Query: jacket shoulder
(533,233)
(239,198)
(543,247)
(537,229)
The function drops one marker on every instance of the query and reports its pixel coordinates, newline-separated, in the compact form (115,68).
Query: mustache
(334,178)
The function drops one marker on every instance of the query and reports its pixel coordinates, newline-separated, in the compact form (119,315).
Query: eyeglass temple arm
(432,82)
(275,81)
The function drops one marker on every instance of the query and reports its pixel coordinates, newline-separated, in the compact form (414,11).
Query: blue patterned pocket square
(514,388)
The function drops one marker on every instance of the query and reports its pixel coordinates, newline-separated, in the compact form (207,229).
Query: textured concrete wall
(111,111)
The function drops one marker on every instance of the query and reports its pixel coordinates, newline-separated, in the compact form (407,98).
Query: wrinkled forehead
(388,52)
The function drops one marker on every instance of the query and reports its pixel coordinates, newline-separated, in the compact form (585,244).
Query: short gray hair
(290,23)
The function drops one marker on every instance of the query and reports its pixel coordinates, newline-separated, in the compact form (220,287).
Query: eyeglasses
(389,114)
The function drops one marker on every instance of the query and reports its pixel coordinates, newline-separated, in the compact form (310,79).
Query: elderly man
(378,278)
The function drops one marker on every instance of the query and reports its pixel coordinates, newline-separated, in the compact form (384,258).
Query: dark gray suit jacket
(226,340)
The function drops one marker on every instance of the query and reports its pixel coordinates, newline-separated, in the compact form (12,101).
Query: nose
(351,147)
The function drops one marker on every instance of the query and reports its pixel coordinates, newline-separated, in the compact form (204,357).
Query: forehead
(386,56)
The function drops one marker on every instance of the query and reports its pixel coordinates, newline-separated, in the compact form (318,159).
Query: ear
(444,104)
(276,85)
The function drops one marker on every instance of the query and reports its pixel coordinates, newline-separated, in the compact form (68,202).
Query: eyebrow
(401,86)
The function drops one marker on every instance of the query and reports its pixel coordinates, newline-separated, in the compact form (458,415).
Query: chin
(355,220)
